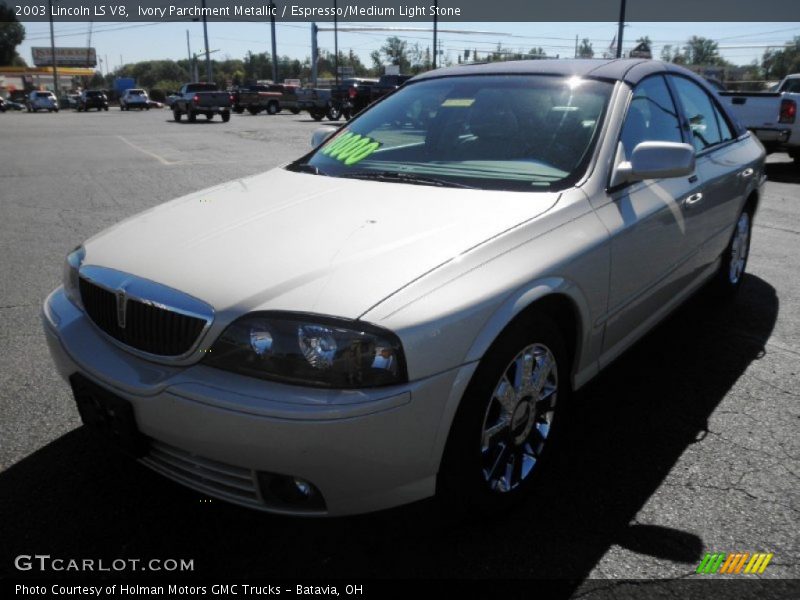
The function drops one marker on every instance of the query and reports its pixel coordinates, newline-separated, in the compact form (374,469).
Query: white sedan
(405,310)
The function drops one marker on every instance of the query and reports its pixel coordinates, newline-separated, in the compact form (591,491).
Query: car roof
(629,70)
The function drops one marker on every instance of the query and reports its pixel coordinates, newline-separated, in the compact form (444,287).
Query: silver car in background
(406,310)
(134,98)
(42,101)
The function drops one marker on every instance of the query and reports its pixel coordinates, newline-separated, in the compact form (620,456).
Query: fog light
(288,492)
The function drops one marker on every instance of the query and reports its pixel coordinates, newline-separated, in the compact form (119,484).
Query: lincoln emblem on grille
(122,302)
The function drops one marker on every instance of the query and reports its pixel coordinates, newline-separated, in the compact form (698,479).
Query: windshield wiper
(402,177)
(306,168)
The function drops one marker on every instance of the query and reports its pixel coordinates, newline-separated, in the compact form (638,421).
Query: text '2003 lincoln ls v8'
(405,310)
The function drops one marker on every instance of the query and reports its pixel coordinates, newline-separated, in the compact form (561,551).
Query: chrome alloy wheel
(518,419)
(739,248)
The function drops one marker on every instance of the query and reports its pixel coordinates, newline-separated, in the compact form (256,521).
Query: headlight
(310,350)
(71,266)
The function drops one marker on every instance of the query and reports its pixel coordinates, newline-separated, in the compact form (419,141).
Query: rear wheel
(506,423)
(209,116)
(316,115)
(226,116)
(294,111)
(176,114)
(191,116)
(728,279)
(253,110)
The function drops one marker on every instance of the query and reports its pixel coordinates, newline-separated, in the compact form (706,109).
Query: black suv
(92,99)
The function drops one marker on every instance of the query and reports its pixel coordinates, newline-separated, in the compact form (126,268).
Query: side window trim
(689,135)
(678,113)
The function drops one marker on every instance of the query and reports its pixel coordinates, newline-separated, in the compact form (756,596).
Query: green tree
(585,50)
(12,33)
(393,52)
(648,43)
(702,51)
(777,64)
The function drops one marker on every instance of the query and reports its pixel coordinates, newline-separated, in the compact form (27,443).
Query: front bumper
(364,450)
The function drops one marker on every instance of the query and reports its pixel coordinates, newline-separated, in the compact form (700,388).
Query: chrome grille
(133,311)
(234,484)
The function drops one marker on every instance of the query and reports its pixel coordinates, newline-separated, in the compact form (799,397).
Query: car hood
(293,241)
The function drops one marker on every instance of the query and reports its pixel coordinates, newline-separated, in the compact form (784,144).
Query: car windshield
(521,132)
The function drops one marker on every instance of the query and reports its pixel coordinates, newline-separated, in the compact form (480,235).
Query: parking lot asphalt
(687,444)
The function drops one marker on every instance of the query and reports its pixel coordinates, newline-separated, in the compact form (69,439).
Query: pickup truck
(772,116)
(317,101)
(386,85)
(352,95)
(201,99)
(272,98)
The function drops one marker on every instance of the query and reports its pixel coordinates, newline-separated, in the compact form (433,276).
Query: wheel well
(751,205)
(562,310)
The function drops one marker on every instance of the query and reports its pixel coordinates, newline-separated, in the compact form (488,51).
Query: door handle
(693,199)
(748,172)
(693,179)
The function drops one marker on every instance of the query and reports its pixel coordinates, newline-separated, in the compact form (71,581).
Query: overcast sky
(740,43)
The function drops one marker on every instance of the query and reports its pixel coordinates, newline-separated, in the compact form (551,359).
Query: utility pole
(205,35)
(189,50)
(621,27)
(576,46)
(53,49)
(314,52)
(435,31)
(274,43)
(335,43)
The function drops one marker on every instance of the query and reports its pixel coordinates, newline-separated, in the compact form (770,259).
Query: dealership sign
(65,57)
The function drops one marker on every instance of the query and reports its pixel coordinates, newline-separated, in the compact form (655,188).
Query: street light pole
(274,43)
(205,35)
(53,49)
(621,28)
(335,43)
(435,31)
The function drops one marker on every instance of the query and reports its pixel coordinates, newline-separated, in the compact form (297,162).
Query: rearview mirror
(321,134)
(655,160)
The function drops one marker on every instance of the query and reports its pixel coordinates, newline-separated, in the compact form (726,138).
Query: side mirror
(321,134)
(654,160)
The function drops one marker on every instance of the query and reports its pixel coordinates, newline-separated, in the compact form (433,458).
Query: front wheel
(334,113)
(316,115)
(191,116)
(728,279)
(273,108)
(505,426)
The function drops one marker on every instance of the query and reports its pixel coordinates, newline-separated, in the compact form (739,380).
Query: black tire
(176,114)
(105,108)
(238,110)
(347,114)
(209,116)
(253,110)
(526,431)
(334,114)
(273,108)
(316,115)
(294,111)
(226,116)
(728,279)
(191,116)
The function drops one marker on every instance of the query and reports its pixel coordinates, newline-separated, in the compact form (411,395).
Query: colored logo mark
(350,147)
(734,563)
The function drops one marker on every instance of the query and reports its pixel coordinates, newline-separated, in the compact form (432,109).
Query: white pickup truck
(772,116)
